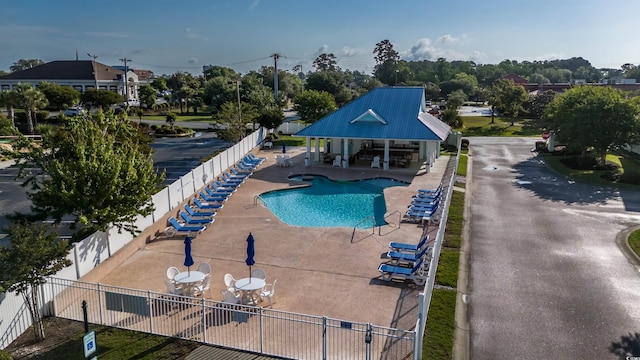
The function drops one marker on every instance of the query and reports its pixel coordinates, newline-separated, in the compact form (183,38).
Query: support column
(385,163)
(345,151)
(316,156)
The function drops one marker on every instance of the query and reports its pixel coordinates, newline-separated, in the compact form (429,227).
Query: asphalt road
(548,279)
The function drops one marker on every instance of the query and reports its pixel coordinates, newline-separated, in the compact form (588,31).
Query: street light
(95,71)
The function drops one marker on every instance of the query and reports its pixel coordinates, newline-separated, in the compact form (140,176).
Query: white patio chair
(172,289)
(229,297)
(258,273)
(203,286)
(376,162)
(230,283)
(337,161)
(204,268)
(172,271)
(280,161)
(269,292)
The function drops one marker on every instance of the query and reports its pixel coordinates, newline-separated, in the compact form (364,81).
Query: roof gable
(369,116)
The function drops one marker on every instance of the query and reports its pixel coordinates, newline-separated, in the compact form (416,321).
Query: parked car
(74,111)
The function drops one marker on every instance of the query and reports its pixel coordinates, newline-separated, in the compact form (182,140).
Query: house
(391,123)
(78,74)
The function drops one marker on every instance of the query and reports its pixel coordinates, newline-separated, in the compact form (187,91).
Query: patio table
(188,279)
(250,288)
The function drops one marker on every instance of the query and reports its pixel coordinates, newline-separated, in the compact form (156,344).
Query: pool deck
(320,271)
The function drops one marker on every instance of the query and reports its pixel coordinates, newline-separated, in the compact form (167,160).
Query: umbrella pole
(249,274)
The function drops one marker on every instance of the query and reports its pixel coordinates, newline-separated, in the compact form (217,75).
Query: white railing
(248,328)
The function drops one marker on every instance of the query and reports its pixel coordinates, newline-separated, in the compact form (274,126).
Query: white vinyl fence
(248,328)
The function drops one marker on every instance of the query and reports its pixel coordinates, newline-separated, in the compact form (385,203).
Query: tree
(59,97)
(160,84)
(601,118)
(101,98)
(325,62)
(97,171)
(148,96)
(34,253)
(24,64)
(271,118)
(30,99)
(508,98)
(9,99)
(234,123)
(384,52)
(6,127)
(170,118)
(332,82)
(312,105)
(537,104)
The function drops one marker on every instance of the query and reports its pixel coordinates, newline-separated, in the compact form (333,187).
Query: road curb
(622,240)
(461,335)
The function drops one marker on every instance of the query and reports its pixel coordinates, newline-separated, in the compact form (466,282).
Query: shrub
(464,143)
(5,355)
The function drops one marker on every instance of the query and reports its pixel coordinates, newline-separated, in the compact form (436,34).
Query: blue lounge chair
(399,246)
(194,221)
(206,205)
(246,166)
(241,172)
(419,214)
(399,257)
(416,273)
(255,159)
(199,213)
(431,192)
(426,207)
(223,196)
(177,228)
(231,179)
(212,198)
(220,187)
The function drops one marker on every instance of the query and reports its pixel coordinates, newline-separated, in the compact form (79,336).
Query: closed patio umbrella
(284,147)
(188,259)
(251,251)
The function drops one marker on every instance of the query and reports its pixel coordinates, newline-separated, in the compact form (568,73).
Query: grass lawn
(634,242)
(482,126)
(627,162)
(462,165)
(64,341)
(438,338)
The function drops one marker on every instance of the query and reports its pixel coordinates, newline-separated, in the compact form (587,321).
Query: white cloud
(422,50)
(348,51)
(191,35)
(322,50)
(447,39)
(477,56)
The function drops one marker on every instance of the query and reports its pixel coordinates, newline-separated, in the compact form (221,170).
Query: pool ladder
(373,231)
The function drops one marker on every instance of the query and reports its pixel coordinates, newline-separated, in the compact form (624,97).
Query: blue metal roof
(383,113)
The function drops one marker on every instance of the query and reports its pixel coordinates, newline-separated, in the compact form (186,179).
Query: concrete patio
(320,271)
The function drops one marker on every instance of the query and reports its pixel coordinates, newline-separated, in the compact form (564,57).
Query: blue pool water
(328,203)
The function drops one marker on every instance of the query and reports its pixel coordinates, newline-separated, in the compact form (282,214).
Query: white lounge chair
(376,162)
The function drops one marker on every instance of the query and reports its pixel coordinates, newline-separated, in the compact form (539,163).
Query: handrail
(255,200)
(353,234)
(387,215)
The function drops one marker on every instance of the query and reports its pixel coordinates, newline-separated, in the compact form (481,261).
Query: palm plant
(30,99)
(9,100)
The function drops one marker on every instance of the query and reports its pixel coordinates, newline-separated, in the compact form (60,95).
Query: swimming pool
(329,203)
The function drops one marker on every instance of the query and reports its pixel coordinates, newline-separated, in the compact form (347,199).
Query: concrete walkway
(320,271)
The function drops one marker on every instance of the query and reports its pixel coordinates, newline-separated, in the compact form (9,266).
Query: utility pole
(275,56)
(126,79)
(95,70)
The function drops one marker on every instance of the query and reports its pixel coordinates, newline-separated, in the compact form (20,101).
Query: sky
(170,36)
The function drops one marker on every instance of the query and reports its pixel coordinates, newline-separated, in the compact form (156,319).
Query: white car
(74,111)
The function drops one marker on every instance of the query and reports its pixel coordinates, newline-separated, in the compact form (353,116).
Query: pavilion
(391,123)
